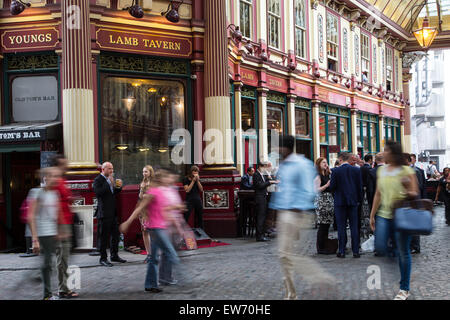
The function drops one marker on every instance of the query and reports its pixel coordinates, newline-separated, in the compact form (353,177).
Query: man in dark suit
(106,189)
(372,178)
(420,174)
(247,179)
(260,184)
(346,184)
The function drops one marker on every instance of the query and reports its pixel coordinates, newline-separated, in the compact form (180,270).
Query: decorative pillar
(381,130)
(77,85)
(217,99)
(291,114)
(238,120)
(262,120)
(316,128)
(354,126)
(402,136)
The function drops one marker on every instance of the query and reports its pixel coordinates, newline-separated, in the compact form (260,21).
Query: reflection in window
(358,134)
(274,14)
(138,118)
(300,28)
(274,122)
(248,114)
(366,137)
(246,17)
(332,131)
(365,56)
(322,129)
(344,136)
(332,41)
(301,122)
(373,137)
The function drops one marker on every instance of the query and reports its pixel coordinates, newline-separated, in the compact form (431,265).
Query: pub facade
(99,84)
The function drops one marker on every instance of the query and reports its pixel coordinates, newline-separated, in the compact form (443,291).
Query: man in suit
(260,184)
(420,174)
(247,179)
(372,178)
(346,184)
(106,188)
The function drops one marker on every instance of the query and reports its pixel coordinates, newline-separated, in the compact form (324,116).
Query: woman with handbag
(444,187)
(395,181)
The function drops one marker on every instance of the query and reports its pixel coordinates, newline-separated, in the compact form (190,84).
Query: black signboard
(22,135)
(46,157)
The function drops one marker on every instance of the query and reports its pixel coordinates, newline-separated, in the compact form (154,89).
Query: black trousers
(109,234)
(322,236)
(196,204)
(261,213)
(447,209)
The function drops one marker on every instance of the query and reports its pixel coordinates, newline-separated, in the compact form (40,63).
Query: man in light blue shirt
(294,202)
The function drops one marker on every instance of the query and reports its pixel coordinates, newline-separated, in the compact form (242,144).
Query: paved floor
(245,270)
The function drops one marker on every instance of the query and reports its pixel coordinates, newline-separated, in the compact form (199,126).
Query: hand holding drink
(119,183)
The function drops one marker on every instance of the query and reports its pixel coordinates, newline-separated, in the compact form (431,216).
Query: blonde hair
(146,181)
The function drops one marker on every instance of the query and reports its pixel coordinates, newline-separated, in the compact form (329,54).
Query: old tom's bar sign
(130,41)
(22,135)
(29,39)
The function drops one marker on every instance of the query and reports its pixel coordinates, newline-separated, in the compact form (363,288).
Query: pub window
(246,18)
(389,68)
(248,114)
(302,122)
(367,132)
(34,98)
(300,28)
(365,57)
(332,41)
(274,23)
(392,129)
(138,118)
(275,117)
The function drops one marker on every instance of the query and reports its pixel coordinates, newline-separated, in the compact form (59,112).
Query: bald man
(106,189)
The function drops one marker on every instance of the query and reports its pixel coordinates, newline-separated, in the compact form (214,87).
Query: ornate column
(238,120)
(291,114)
(381,130)
(262,120)
(315,104)
(77,85)
(217,99)
(354,126)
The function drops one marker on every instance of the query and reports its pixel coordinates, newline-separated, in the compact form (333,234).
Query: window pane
(275,119)
(138,118)
(245,11)
(322,129)
(343,128)
(358,134)
(365,137)
(373,137)
(300,13)
(301,122)
(34,98)
(248,114)
(332,131)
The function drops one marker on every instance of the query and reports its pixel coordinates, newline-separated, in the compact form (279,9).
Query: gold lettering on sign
(128,41)
(247,76)
(33,38)
(275,83)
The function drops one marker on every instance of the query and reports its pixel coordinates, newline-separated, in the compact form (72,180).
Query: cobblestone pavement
(245,270)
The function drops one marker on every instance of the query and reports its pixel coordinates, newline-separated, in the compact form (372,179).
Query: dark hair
(193,168)
(395,149)
(412,155)
(431,161)
(249,169)
(54,161)
(368,157)
(287,142)
(407,157)
(344,156)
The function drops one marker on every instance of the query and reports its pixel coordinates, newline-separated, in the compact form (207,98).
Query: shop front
(303,128)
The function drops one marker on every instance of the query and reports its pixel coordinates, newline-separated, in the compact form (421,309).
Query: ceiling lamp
(426,34)
(135,10)
(171,13)
(17,7)
(122,147)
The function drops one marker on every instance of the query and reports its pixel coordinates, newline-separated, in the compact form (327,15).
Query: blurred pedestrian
(148,174)
(158,218)
(324,206)
(193,187)
(66,218)
(43,220)
(444,188)
(106,189)
(346,185)
(295,203)
(260,184)
(395,181)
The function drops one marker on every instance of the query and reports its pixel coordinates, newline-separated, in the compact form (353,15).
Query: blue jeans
(384,230)
(159,240)
(404,258)
(350,213)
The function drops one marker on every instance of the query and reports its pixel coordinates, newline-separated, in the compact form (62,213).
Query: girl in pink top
(158,218)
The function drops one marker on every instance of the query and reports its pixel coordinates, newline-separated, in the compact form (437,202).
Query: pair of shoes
(118,259)
(356,255)
(51,298)
(168,282)
(415,251)
(402,295)
(262,239)
(94,253)
(340,255)
(68,295)
(147,259)
(105,263)
(153,290)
